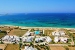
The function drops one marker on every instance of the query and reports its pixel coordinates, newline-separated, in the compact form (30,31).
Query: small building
(40,39)
(43,39)
(48,39)
(36,39)
(63,39)
(56,39)
(29,48)
(55,33)
(43,31)
(27,34)
(62,33)
(58,33)
(28,39)
(60,39)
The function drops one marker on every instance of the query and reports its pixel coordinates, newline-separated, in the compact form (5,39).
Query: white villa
(37,39)
(11,39)
(28,39)
(63,39)
(44,39)
(56,39)
(60,39)
(48,39)
(29,48)
(27,34)
(58,33)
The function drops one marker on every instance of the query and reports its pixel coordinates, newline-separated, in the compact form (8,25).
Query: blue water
(37,32)
(40,20)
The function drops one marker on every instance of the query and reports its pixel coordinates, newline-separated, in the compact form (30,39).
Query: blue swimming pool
(37,32)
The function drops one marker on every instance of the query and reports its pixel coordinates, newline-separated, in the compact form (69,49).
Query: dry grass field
(12,47)
(4,28)
(3,46)
(74,34)
(71,48)
(57,48)
(17,32)
(61,48)
(48,32)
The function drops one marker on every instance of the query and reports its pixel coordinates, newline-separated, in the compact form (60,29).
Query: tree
(1,42)
(20,44)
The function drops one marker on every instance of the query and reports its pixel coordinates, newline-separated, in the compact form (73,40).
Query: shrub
(20,44)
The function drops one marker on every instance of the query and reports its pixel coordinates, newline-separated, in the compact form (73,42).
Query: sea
(62,20)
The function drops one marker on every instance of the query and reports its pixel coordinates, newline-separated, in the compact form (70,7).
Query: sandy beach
(25,27)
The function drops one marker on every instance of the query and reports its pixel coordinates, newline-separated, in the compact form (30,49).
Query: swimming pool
(37,32)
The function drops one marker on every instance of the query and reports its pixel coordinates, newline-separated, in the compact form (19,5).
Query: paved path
(72,43)
(26,32)
(57,44)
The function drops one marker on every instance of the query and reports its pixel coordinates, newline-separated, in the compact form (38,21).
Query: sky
(37,6)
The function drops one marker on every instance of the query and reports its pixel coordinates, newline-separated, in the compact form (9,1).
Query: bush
(41,40)
(31,43)
(20,44)
(2,42)
(3,32)
(47,48)
(67,48)
(71,45)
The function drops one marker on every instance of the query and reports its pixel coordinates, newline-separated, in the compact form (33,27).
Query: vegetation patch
(42,47)
(2,33)
(17,32)
(48,32)
(12,47)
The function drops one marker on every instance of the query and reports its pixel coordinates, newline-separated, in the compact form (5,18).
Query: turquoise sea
(39,19)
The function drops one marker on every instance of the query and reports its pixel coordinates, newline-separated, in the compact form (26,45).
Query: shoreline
(24,27)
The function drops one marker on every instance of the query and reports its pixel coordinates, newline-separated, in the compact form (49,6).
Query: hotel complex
(34,37)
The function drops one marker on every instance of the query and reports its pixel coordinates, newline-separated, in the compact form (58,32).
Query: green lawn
(2,34)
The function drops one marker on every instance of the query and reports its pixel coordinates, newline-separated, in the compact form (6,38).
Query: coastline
(25,27)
